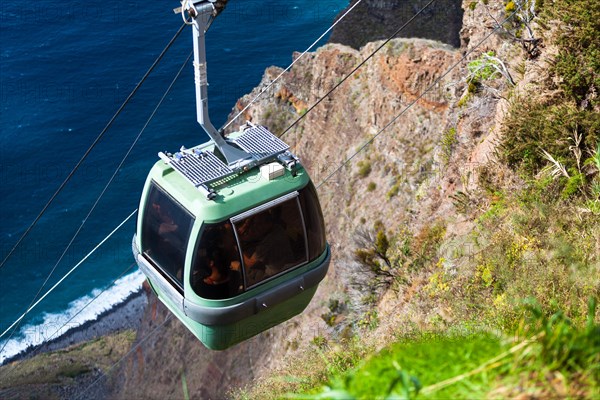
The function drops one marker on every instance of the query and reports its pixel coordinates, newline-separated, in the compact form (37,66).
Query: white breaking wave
(55,324)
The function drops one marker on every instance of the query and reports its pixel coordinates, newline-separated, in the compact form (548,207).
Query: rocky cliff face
(354,113)
(397,160)
(172,358)
(404,176)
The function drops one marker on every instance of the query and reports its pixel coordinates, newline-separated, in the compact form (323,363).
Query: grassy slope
(407,365)
(538,239)
(46,375)
(550,358)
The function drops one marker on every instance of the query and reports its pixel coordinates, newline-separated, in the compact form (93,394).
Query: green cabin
(230,233)
(237,262)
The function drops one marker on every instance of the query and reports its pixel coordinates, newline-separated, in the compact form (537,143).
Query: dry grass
(45,375)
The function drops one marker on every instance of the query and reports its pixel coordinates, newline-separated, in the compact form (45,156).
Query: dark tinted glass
(272,241)
(216,272)
(165,233)
(313,218)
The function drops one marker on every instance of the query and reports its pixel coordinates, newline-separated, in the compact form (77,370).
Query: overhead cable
(412,103)
(33,352)
(67,274)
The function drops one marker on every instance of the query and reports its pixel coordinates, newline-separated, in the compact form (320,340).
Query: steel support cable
(133,348)
(412,103)
(91,147)
(117,169)
(356,68)
(122,274)
(264,90)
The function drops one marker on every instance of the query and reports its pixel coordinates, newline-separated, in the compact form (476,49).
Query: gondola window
(166,230)
(313,218)
(272,241)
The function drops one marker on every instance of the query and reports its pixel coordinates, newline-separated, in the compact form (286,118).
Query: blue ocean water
(65,67)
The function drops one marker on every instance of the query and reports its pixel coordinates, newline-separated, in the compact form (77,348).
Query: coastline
(124,315)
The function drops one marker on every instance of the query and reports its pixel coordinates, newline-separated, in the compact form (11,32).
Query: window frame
(194,260)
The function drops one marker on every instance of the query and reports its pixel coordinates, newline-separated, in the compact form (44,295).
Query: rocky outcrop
(385,87)
(171,359)
(374,20)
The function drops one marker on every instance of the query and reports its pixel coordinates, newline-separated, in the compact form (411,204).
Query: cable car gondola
(230,234)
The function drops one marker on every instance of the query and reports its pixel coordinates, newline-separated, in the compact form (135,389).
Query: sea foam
(78,312)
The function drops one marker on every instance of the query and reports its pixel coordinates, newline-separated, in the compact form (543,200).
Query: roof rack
(202,167)
(260,143)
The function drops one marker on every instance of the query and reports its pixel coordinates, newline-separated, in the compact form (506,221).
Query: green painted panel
(224,336)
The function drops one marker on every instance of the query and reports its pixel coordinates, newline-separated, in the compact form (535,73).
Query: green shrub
(531,126)
(578,61)
(394,190)
(364,168)
(482,69)
(402,369)
(370,320)
(425,245)
(373,248)
(448,141)
(473,86)
(552,124)
(336,308)
(574,183)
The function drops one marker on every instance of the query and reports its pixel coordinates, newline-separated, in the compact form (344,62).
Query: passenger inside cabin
(219,272)
(165,239)
(265,244)
(216,273)
(167,224)
(165,233)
